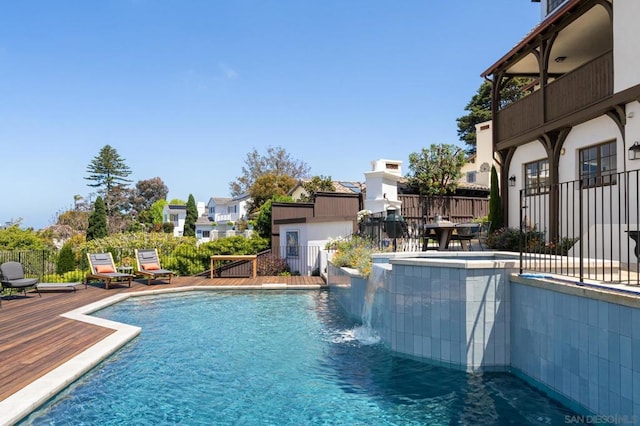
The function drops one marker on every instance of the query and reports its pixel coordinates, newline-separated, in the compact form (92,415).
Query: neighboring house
(476,173)
(219,216)
(177,214)
(222,210)
(342,187)
(579,123)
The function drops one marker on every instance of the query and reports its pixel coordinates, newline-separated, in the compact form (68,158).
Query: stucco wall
(626,39)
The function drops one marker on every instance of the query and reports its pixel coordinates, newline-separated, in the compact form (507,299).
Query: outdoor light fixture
(634,151)
(512,179)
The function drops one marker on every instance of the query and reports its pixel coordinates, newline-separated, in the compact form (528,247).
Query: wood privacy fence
(456,209)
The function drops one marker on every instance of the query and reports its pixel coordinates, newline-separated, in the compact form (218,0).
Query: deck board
(35,339)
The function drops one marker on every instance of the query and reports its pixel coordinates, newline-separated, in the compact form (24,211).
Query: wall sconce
(634,151)
(512,179)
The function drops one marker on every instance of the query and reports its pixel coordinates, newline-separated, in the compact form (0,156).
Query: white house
(222,209)
(219,216)
(177,214)
(477,171)
(579,124)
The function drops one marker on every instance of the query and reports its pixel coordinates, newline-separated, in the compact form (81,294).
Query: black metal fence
(300,260)
(413,235)
(184,260)
(586,229)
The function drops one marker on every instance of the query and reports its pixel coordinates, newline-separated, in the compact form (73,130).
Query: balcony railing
(585,232)
(568,94)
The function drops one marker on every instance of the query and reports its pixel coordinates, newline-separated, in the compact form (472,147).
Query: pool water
(282,358)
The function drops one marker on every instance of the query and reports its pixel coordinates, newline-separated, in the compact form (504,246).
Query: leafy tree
(13,238)
(263,220)
(66,260)
(435,171)
(234,245)
(495,203)
(192,216)
(57,235)
(119,201)
(316,184)
(267,186)
(276,161)
(479,108)
(107,171)
(146,193)
(153,216)
(77,220)
(97,221)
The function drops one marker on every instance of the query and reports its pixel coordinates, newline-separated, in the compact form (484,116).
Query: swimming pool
(283,358)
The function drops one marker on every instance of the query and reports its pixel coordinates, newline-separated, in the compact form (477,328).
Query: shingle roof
(203,220)
(176,207)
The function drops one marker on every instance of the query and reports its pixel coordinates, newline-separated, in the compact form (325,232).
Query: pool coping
(19,405)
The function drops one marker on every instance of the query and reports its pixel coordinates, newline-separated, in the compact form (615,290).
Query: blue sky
(184,89)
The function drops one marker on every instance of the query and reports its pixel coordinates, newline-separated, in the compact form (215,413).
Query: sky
(185,89)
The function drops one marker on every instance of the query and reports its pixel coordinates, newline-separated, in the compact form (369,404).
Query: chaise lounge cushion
(104,269)
(150,266)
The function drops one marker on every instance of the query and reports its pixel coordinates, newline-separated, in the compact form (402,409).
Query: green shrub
(504,239)
(508,239)
(66,260)
(272,265)
(355,252)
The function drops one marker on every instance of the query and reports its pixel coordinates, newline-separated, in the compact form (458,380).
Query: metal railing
(413,237)
(586,229)
(301,260)
(46,265)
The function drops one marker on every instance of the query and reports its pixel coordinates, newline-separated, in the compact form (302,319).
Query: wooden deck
(35,339)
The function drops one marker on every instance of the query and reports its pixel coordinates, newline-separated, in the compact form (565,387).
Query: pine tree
(495,203)
(192,216)
(97,221)
(109,172)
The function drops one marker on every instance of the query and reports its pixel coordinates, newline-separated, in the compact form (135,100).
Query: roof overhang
(580,35)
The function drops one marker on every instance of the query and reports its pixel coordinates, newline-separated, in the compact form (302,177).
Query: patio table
(442,231)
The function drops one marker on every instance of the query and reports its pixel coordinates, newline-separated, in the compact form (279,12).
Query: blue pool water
(282,358)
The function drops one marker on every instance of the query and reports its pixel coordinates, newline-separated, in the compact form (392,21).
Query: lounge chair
(148,264)
(104,269)
(13,278)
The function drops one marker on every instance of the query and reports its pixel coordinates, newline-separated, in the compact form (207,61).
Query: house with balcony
(219,216)
(570,159)
(225,209)
(568,147)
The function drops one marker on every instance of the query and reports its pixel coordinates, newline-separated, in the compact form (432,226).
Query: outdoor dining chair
(13,278)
